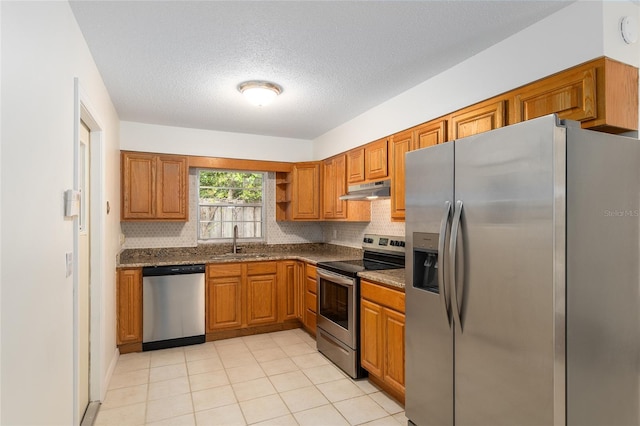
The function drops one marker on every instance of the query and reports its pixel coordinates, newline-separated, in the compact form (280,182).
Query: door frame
(83,111)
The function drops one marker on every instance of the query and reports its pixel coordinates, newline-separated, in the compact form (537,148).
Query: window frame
(263,205)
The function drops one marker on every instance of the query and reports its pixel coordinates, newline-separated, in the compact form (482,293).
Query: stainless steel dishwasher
(172,306)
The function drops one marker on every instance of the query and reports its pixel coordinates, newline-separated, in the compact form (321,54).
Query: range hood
(368,191)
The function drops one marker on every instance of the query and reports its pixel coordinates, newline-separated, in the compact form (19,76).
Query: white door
(84,269)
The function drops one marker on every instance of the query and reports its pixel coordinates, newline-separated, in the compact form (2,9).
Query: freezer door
(429,336)
(504,270)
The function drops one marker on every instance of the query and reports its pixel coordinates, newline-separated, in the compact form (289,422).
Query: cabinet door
(477,119)
(340,179)
(262,299)
(328,189)
(394,326)
(224,306)
(172,188)
(129,296)
(429,134)
(371,337)
(138,186)
(355,165)
(376,161)
(400,144)
(571,95)
(306,191)
(288,287)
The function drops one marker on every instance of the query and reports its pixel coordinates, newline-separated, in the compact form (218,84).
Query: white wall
(42,51)
(580,32)
(208,143)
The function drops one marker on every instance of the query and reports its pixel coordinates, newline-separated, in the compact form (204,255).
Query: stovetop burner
(380,253)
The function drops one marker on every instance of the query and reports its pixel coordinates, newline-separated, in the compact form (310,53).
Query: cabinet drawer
(310,271)
(384,296)
(224,270)
(312,285)
(262,268)
(311,301)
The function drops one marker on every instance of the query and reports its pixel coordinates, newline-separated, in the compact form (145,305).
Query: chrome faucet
(235,237)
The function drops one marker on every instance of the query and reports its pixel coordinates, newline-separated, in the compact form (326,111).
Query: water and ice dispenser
(425,261)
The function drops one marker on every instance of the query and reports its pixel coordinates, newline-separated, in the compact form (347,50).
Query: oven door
(337,306)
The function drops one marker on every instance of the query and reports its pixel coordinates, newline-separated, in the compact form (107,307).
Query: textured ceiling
(179,63)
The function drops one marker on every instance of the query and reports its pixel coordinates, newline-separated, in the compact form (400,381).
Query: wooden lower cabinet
(250,297)
(382,327)
(129,309)
(310,299)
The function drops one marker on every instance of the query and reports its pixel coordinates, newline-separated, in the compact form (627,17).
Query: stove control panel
(392,243)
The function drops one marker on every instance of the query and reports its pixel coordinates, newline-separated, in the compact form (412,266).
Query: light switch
(69,262)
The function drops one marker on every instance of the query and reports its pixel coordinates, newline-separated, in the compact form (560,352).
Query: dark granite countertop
(390,277)
(221,253)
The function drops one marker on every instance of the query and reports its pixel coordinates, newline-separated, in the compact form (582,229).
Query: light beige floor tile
(259,344)
(309,360)
(159,390)
(213,398)
(167,357)
(385,421)
(323,373)
(237,348)
(167,372)
(237,359)
(200,347)
(366,386)
(287,420)
(264,408)
(389,404)
(132,378)
(286,338)
(253,389)
(264,355)
(172,406)
(131,364)
(244,374)
(339,390)
(124,396)
(204,365)
(208,380)
(122,416)
(303,399)
(279,366)
(401,418)
(229,415)
(197,355)
(360,410)
(298,349)
(227,342)
(326,415)
(186,420)
(288,381)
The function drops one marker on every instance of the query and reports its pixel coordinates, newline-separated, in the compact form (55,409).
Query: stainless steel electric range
(338,329)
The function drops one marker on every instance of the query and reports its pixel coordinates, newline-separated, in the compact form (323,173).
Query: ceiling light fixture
(259,93)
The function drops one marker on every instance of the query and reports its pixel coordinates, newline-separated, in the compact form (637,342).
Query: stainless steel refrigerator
(522,295)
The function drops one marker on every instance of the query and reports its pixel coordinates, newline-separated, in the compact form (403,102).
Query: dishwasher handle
(156,271)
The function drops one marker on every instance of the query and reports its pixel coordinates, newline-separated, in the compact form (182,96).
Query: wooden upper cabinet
(376,160)
(570,95)
(305,197)
(154,187)
(401,143)
(329,198)
(355,165)
(172,186)
(602,94)
(478,119)
(429,134)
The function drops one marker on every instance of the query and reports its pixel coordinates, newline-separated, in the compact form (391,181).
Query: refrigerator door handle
(444,293)
(455,227)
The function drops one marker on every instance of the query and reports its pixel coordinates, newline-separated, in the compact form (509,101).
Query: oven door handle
(335,278)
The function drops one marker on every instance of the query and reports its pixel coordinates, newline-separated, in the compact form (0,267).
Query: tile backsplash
(184,234)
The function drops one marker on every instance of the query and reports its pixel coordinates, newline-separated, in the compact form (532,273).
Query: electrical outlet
(69,263)
(335,233)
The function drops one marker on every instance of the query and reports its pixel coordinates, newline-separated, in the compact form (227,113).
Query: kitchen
(45,36)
